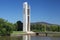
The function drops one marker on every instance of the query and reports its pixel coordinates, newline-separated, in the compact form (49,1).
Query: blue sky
(41,10)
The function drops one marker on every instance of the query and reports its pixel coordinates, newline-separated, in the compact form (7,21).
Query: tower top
(25,3)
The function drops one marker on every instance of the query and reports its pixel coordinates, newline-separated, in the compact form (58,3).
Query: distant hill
(44,26)
(43,23)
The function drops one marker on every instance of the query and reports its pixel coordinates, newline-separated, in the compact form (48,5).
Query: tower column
(26,17)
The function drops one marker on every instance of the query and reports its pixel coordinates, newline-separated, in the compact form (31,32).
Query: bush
(6,28)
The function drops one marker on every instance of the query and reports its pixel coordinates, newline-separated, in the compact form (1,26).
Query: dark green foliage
(5,27)
(44,27)
(19,26)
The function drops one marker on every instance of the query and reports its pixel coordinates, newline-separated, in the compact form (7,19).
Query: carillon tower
(26,17)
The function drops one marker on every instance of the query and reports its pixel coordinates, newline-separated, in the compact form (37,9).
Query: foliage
(5,27)
(18,26)
(38,27)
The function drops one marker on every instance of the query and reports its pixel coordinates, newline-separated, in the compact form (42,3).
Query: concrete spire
(26,17)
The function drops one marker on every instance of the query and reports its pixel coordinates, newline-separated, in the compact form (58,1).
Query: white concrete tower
(26,17)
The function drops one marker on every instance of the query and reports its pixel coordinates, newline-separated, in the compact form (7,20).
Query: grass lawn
(18,32)
(15,33)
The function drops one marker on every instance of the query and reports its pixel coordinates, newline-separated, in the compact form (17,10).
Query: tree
(5,27)
(54,28)
(19,26)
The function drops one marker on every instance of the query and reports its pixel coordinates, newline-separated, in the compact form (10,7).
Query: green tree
(19,26)
(54,28)
(6,27)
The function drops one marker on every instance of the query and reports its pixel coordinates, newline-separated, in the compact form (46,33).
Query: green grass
(18,32)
